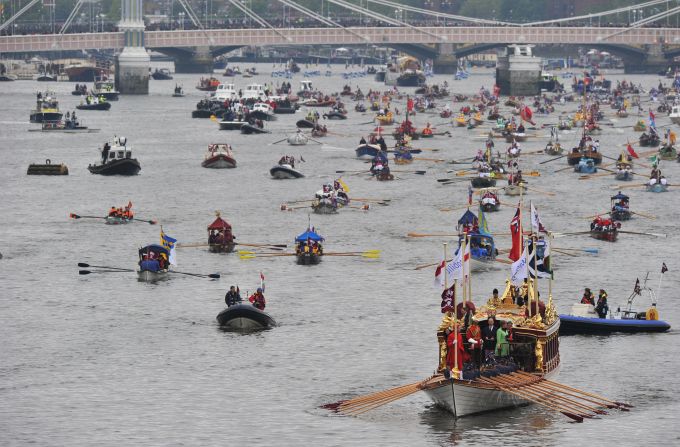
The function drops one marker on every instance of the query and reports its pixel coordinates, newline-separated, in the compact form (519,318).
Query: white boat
(306,87)
(254,91)
(219,156)
(149,276)
(226,92)
(297,139)
(285,171)
(675,115)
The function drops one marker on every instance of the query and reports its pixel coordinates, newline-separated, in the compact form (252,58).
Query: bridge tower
(518,71)
(132,64)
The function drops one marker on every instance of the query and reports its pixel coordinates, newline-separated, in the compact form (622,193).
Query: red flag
(439,274)
(516,232)
(409,105)
(632,152)
(496,90)
(526,114)
(448,296)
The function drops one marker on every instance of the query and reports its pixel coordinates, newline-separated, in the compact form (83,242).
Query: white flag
(439,274)
(519,269)
(457,269)
(536,224)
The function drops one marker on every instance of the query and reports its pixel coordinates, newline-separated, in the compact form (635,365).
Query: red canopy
(219,224)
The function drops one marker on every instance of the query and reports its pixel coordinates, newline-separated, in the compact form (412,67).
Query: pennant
(483,224)
(519,269)
(632,152)
(448,298)
(652,119)
(664,269)
(169,243)
(637,290)
(262,281)
(469,195)
(536,224)
(516,232)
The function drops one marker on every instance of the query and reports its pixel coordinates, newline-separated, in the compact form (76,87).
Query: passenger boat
(47,109)
(153,263)
(226,91)
(208,84)
(586,166)
(575,156)
(533,353)
(285,170)
(85,71)
(162,74)
(411,78)
(219,156)
(220,236)
(262,111)
(244,317)
(583,318)
(248,129)
(297,139)
(668,152)
(285,107)
(254,92)
(620,210)
(116,160)
(100,105)
(105,88)
(367,151)
(604,229)
(308,247)
(69,125)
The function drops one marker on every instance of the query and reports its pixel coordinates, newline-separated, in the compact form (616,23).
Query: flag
(344,185)
(632,152)
(169,243)
(483,224)
(526,114)
(409,105)
(448,297)
(469,195)
(654,159)
(664,269)
(542,268)
(262,281)
(519,269)
(459,267)
(637,290)
(516,232)
(652,122)
(129,205)
(672,137)
(536,224)
(439,274)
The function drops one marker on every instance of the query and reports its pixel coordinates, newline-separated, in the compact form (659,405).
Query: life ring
(48,161)
(652,314)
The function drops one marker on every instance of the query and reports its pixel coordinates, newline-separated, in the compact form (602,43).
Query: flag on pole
(169,243)
(448,297)
(652,119)
(632,152)
(344,185)
(664,269)
(536,224)
(519,269)
(516,232)
(483,224)
(409,105)
(262,281)
(526,114)
(469,195)
(439,274)
(459,267)
(637,290)
(542,268)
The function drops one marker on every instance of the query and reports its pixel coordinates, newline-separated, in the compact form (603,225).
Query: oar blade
(74,216)
(84,272)
(370,255)
(214,275)
(82,264)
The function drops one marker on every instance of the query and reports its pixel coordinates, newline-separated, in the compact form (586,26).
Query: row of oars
(572,402)
(109,269)
(76,216)
(374,254)
(362,404)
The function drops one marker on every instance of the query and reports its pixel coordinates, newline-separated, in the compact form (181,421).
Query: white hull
(472,399)
(149,276)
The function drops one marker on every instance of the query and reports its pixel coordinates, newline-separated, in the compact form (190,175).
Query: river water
(106,360)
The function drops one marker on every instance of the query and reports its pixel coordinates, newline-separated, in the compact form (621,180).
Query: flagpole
(446,276)
(658,293)
(455,313)
(534,242)
(469,276)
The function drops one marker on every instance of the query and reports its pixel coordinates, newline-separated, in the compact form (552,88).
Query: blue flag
(169,243)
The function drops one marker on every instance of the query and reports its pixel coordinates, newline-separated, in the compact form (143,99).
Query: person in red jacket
(454,344)
(257,299)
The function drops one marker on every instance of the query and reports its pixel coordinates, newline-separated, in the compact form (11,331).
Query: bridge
(640,44)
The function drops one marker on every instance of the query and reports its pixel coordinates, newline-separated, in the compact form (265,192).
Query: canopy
(219,224)
(154,247)
(309,234)
(468,218)
(620,196)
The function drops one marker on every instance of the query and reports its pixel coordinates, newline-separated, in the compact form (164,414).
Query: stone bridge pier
(132,64)
(445,62)
(195,60)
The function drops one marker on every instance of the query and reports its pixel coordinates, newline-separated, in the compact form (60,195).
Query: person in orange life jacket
(257,299)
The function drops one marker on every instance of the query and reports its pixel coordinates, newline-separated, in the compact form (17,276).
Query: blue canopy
(620,196)
(156,248)
(309,234)
(468,218)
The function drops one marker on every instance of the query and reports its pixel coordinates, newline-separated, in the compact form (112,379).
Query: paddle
(76,216)
(262,245)
(82,264)
(586,250)
(364,255)
(87,272)
(371,200)
(436,160)
(647,216)
(410,172)
(547,193)
(280,141)
(211,275)
(563,169)
(432,234)
(628,186)
(552,159)
(642,234)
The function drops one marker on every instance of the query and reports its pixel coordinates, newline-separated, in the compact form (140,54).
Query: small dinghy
(297,139)
(94,106)
(219,156)
(367,151)
(248,129)
(305,124)
(285,169)
(335,115)
(244,317)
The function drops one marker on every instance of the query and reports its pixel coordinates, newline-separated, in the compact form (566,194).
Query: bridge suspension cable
(597,14)
(381,17)
(319,17)
(71,16)
(190,12)
(440,14)
(645,21)
(18,14)
(250,13)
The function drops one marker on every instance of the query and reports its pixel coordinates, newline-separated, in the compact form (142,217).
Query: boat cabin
(254,91)
(306,86)
(153,258)
(263,107)
(226,92)
(219,232)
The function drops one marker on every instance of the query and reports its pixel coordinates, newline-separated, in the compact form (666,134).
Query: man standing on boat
(232,297)
(105,152)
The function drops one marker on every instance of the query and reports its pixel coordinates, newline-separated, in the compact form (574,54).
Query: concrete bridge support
(132,64)
(198,61)
(518,72)
(652,62)
(446,61)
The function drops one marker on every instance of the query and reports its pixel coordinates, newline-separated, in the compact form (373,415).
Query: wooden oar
(363,255)
(643,234)
(454,209)
(547,386)
(552,159)
(436,160)
(199,275)
(432,234)
(280,141)
(628,186)
(261,245)
(87,272)
(563,169)
(566,253)
(410,172)
(585,250)
(539,191)
(108,267)
(591,176)
(380,201)
(362,404)
(646,216)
